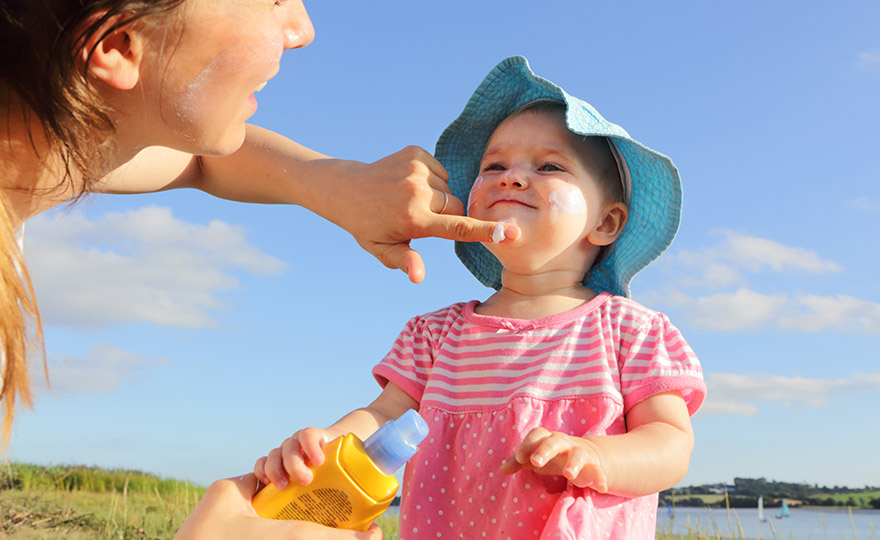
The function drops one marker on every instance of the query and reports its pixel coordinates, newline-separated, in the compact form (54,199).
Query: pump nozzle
(396,441)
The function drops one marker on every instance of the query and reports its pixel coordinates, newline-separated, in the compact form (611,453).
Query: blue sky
(187,336)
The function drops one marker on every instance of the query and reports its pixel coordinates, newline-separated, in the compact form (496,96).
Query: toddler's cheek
(478,183)
(568,200)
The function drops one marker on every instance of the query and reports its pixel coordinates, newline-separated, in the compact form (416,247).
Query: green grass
(859,498)
(79,503)
(86,503)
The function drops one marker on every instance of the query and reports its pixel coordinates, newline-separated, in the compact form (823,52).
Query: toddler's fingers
(583,470)
(260,470)
(550,447)
(530,443)
(578,460)
(294,462)
(511,466)
(275,470)
(311,442)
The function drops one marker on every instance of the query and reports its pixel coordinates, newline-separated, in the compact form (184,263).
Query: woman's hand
(400,198)
(225,513)
(384,204)
(556,454)
(293,457)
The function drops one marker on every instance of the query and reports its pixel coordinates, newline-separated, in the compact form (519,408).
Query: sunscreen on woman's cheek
(356,482)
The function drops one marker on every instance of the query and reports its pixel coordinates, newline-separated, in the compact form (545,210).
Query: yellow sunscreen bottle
(356,482)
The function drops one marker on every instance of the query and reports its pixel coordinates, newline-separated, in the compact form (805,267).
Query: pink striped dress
(484,382)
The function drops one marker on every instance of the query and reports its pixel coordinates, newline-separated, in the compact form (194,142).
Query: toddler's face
(533,175)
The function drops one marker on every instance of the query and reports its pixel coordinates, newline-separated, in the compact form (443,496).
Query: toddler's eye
(548,167)
(493,167)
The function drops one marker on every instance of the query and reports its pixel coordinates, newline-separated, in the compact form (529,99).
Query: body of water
(803,523)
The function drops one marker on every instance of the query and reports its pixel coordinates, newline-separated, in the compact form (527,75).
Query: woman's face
(201,82)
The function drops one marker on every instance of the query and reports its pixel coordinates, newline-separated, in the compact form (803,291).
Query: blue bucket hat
(653,183)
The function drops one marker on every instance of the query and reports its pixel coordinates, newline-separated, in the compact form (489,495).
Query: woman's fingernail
(538,460)
(511,232)
(281,484)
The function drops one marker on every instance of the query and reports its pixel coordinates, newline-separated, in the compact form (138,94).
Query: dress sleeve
(655,359)
(410,359)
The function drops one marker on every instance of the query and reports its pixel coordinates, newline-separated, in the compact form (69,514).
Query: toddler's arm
(652,456)
(304,448)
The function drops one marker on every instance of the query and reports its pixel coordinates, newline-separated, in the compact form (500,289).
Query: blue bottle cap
(396,441)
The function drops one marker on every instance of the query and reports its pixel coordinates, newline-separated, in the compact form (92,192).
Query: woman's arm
(384,204)
(652,456)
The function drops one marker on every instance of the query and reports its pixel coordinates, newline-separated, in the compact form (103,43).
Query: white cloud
(756,254)
(869,60)
(725,264)
(741,310)
(746,309)
(101,370)
(143,265)
(865,204)
(732,393)
(842,313)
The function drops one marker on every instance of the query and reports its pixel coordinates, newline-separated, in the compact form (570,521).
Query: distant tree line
(744,493)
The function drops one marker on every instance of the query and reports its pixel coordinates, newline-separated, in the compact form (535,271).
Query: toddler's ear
(614,217)
(115,59)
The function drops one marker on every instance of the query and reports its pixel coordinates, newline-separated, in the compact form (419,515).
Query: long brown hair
(40,41)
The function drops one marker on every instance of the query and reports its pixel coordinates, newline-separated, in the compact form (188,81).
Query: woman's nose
(512,179)
(298,29)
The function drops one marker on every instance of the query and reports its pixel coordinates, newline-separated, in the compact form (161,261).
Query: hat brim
(655,197)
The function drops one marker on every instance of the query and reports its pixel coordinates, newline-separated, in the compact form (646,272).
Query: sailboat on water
(784,512)
(761,517)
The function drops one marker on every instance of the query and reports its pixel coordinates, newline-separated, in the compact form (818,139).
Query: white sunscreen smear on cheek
(477,183)
(569,200)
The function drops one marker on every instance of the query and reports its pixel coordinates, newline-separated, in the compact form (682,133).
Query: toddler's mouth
(510,202)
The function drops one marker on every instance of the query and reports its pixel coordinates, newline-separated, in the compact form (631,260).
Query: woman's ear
(614,217)
(115,59)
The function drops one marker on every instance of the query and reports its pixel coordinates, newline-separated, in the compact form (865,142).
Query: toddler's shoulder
(623,308)
(443,317)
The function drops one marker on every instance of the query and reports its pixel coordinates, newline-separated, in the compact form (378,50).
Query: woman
(136,96)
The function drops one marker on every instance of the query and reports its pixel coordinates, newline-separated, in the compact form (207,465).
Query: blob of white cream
(568,200)
(498,234)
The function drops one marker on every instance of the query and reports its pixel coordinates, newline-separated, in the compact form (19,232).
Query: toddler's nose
(512,179)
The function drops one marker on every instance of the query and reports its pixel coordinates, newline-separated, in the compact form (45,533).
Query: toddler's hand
(552,453)
(293,458)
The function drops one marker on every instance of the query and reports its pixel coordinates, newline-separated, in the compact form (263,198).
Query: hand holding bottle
(349,485)
(225,513)
(294,457)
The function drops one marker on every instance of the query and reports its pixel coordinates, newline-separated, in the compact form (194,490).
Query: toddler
(558,407)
